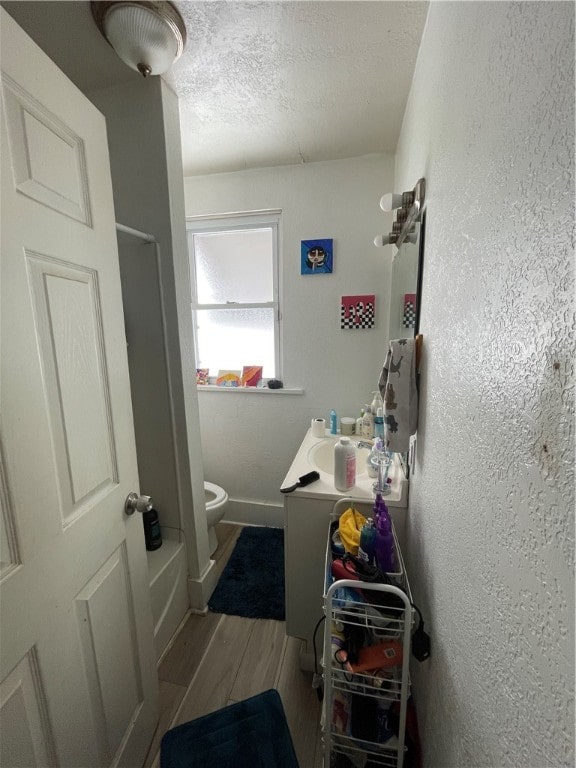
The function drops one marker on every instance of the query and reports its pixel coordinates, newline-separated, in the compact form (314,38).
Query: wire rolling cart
(383,614)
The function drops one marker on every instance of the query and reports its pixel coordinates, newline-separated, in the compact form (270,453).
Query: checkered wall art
(357,312)
(409,312)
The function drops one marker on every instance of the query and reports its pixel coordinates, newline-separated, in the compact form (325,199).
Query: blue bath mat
(252,584)
(250,734)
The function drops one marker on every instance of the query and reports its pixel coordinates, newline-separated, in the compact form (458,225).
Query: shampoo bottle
(344,464)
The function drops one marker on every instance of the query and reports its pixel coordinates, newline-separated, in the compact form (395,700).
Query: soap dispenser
(368,424)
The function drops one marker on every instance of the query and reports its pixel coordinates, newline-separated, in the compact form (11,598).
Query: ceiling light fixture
(147,36)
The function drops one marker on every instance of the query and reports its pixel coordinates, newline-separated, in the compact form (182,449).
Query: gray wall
(490,123)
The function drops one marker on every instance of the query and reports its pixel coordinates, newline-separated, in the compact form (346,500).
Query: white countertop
(324,487)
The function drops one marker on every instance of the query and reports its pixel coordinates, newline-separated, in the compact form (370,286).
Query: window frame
(265,219)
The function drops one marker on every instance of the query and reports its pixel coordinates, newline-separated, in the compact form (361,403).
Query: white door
(78,684)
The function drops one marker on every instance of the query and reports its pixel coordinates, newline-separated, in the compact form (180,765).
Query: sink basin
(321,457)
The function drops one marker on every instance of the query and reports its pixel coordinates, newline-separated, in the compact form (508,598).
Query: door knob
(136,503)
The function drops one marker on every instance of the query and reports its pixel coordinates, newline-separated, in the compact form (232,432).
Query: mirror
(405,292)
(404,288)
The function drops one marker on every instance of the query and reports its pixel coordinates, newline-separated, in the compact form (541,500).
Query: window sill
(250,390)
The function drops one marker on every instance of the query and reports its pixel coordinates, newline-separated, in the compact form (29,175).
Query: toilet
(216,501)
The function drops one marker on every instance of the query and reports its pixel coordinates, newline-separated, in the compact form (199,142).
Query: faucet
(364,444)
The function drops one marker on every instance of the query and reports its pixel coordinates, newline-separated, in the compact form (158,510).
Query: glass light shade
(382,240)
(142,38)
(390,201)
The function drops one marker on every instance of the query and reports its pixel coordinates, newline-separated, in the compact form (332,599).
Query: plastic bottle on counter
(344,464)
(385,550)
(333,422)
(368,424)
(358,429)
(379,423)
(376,402)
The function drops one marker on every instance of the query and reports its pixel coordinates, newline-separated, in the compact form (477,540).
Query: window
(234,282)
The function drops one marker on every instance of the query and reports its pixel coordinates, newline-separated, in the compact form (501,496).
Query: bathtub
(167,573)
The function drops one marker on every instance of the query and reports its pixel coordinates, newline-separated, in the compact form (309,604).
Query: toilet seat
(215,495)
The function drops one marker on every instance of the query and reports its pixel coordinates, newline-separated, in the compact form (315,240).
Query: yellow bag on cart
(349,527)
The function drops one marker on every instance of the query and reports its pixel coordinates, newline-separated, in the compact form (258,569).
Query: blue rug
(250,734)
(252,584)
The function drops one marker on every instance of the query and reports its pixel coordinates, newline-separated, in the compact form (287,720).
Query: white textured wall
(249,441)
(490,123)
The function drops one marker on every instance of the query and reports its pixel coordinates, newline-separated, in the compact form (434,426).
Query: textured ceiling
(262,83)
(268,83)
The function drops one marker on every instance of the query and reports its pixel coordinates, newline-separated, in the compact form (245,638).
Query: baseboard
(306,658)
(200,590)
(246,512)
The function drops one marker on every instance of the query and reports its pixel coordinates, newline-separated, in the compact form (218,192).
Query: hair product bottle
(385,553)
(367,547)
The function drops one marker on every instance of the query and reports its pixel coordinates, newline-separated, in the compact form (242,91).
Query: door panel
(26,736)
(67,311)
(9,549)
(48,161)
(77,663)
(107,631)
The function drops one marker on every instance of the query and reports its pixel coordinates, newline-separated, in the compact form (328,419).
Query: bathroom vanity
(306,517)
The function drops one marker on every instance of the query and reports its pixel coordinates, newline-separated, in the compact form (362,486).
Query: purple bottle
(378,504)
(385,554)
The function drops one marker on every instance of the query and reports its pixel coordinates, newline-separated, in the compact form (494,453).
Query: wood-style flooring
(215,660)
